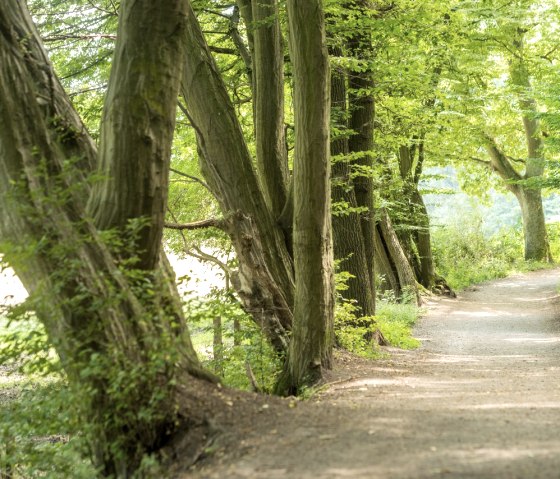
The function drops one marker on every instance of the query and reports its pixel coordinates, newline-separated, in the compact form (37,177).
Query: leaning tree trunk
(312,340)
(265,280)
(401,273)
(103,323)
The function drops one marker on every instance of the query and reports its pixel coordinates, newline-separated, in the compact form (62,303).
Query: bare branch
(191,177)
(197,225)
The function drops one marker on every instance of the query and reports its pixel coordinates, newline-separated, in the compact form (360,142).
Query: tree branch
(197,225)
(191,177)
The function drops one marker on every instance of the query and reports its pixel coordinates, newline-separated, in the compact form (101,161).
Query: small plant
(245,359)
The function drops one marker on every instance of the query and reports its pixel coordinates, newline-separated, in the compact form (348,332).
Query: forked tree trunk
(529,196)
(99,317)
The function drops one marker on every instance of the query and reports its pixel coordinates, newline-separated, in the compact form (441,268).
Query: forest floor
(479,399)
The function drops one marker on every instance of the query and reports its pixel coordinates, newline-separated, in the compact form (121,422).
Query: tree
(502,57)
(91,220)
(312,339)
(109,311)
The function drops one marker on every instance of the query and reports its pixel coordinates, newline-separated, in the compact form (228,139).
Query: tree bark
(268,100)
(361,143)
(419,247)
(312,340)
(264,281)
(99,318)
(399,261)
(349,246)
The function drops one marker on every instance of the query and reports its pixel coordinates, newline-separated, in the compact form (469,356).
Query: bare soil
(479,399)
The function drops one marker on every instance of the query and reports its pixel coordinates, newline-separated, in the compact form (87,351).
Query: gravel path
(480,399)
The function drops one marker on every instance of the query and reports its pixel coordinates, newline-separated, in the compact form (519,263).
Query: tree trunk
(312,339)
(349,246)
(218,345)
(362,113)
(416,222)
(399,262)
(264,281)
(268,101)
(119,329)
(529,196)
(534,227)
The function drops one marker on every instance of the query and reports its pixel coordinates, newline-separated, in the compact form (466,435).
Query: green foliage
(39,425)
(465,255)
(244,346)
(39,433)
(394,320)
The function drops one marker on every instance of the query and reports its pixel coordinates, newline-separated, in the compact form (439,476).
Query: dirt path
(480,399)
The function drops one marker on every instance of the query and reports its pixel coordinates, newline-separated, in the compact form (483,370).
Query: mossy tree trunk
(312,339)
(112,313)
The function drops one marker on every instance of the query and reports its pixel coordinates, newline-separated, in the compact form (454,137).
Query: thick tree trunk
(99,318)
(534,227)
(349,246)
(264,281)
(312,340)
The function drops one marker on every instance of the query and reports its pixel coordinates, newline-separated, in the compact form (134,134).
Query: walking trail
(480,399)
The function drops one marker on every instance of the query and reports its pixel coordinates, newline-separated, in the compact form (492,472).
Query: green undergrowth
(39,430)
(464,255)
(394,318)
(247,360)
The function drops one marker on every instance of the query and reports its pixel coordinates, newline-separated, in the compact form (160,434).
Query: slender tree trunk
(104,319)
(417,222)
(312,340)
(268,100)
(218,345)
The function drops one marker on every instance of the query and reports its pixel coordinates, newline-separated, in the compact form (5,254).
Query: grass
(465,256)
(396,321)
